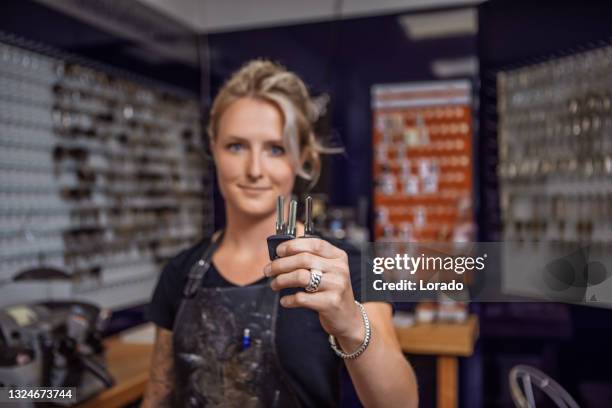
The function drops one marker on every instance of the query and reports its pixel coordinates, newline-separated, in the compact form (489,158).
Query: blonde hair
(271,82)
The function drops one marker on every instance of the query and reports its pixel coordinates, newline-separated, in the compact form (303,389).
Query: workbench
(448,342)
(128,363)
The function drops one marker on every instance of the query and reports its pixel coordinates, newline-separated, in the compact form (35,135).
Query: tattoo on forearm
(161,380)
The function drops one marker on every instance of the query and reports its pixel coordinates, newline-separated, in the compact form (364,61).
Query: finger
(314,246)
(319,301)
(303,260)
(301,278)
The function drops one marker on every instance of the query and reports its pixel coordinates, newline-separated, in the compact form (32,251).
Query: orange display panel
(422,142)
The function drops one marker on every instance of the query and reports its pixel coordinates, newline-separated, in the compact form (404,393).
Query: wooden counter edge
(127,388)
(449,339)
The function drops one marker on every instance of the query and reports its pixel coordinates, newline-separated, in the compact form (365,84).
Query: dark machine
(54,344)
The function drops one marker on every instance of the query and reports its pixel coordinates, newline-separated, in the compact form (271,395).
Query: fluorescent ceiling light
(440,24)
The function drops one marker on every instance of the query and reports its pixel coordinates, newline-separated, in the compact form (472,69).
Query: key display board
(555,150)
(423,161)
(101,176)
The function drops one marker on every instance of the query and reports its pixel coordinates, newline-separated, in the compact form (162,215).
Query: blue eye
(277,150)
(234,147)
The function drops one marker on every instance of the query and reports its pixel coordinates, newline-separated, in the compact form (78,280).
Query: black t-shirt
(301,342)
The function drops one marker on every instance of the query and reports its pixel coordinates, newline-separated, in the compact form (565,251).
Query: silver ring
(315,280)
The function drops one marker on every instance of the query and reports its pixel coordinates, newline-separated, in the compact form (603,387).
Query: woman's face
(253,168)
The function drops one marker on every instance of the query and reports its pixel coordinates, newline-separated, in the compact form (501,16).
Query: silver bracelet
(366,341)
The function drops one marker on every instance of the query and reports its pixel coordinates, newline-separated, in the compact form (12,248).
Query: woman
(233,328)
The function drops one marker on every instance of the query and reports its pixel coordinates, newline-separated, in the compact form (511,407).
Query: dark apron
(214,367)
